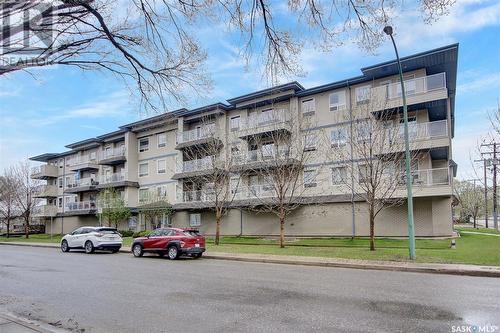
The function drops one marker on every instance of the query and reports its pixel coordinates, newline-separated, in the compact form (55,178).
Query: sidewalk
(454,269)
(9,324)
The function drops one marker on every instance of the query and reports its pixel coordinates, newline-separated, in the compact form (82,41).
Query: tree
(150,44)
(214,181)
(112,207)
(274,164)
(24,195)
(8,208)
(155,211)
(369,153)
(470,199)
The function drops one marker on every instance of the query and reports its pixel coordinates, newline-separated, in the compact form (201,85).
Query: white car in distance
(91,239)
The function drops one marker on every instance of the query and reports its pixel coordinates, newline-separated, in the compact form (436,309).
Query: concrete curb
(31,326)
(451,269)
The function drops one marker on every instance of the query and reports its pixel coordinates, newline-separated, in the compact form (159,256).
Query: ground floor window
(195,220)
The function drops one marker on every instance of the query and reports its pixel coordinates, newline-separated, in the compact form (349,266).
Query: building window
(364,173)
(60,182)
(143,194)
(309,178)
(310,141)
(339,175)
(235,123)
(308,105)
(338,136)
(61,163)
(337,101)
(363,94)
(143,169)
(93,155)
(161,191)
(143,145)
(195,220)
(162,139)
(161,166)
(364,130)
(60,202)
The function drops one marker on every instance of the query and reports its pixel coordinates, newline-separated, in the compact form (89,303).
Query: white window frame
(365,98)
(339,173)
(139,169)
(158,166)
(194,219)
(143,190)
(60,202)
(161,144)
(232,122)
(341,104)
(60,182)
(363,128)
(310,141)
(308,109)
(310,182)
(139,145)
(161,191)
(338,143)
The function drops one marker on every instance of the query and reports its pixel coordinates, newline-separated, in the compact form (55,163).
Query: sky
(58,106)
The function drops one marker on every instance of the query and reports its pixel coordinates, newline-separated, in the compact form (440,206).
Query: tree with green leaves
(155,211)
(112,207)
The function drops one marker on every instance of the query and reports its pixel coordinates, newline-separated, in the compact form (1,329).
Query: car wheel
(137,250)
(64,246)
(89,247)
(197,255)
(173,253)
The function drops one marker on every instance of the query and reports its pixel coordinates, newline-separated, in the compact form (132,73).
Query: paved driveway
(119,293)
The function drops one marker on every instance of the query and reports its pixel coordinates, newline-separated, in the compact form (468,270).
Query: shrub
(126,233)
(141,233)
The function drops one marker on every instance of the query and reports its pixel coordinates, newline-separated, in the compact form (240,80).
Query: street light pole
(409,190)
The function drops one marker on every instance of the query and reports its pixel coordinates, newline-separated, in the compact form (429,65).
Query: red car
(172,242)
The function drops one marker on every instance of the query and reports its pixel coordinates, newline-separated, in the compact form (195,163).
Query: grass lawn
(481,230)
(471,248)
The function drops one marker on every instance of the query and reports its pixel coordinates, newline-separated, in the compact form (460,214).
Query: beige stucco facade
(152,160)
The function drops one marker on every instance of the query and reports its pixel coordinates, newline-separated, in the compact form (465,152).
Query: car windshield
(107,231)
(191,233)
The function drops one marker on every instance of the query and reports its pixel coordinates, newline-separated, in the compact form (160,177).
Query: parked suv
(172,242)
(91,239)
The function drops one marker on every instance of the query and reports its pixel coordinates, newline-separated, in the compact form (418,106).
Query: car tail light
(99,234)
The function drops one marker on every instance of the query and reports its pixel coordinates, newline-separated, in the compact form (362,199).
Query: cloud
(480,83)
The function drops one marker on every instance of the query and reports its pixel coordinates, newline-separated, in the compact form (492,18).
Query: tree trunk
(282,229)
(217,228)
(27,229)
(372,230)
(474,219)
(8,227)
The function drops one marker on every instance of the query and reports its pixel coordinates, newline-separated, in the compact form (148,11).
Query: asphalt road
(119,293)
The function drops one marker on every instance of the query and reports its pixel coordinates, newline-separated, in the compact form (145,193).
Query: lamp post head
(388,30)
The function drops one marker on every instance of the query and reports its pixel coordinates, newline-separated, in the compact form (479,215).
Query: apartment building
(165,158)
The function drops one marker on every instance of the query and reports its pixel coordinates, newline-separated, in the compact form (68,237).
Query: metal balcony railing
(266,153)
(81,206)
(82,159)
(428,177)
(112,178)
(45,211)
(201,164)
(414,86)
(113,152)
(82,182)
(274,116)
(202,132)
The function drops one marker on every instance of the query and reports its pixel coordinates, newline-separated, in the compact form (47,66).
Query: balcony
(46,171)
(203,135)
(113,156)
(149,197)
(82,185)
(45,211)
(269,123)
(418,90)
(195,196)
(83,162)
(81,208)
(426,135)
(194,168)
(268,156)
(118,179)
(45,191)
(428,182)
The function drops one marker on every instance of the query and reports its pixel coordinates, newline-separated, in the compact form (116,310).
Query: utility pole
(489,158)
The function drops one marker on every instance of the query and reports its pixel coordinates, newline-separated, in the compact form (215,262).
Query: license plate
(196,245)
